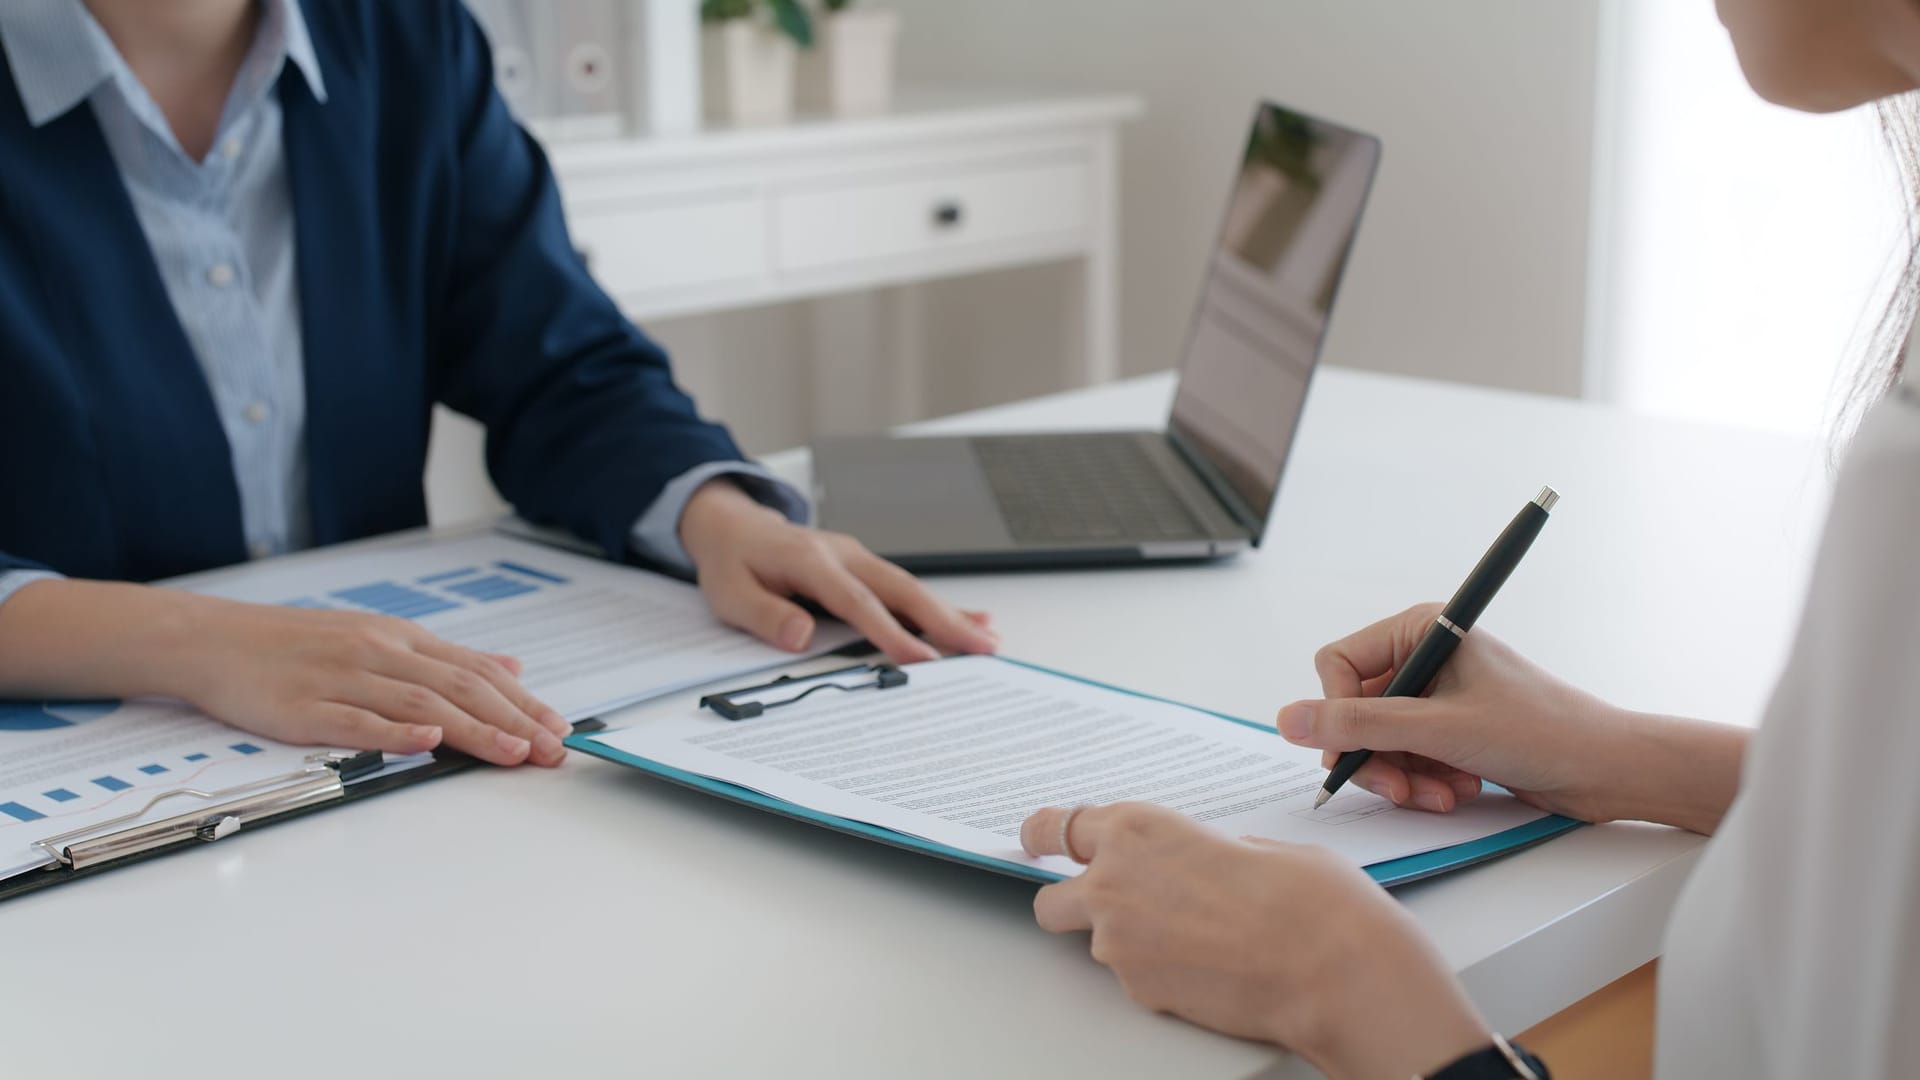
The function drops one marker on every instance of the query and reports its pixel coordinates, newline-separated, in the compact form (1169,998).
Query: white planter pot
(849,70)
(746,72)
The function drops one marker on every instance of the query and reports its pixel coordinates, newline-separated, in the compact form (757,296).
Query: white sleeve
(1795,948)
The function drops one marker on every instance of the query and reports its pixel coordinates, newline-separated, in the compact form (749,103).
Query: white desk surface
(594,922)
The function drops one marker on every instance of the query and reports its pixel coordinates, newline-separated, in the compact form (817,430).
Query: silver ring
(1066,845)
(1448,623)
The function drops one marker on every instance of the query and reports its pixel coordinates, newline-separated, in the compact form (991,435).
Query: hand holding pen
(1450,627)
(1491,714)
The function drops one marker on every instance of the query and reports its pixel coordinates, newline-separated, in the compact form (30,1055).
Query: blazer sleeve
(10,564)
(585,426)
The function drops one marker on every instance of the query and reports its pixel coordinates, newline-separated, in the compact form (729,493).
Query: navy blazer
(433,267)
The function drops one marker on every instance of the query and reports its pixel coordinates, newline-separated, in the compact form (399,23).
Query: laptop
(1202,487)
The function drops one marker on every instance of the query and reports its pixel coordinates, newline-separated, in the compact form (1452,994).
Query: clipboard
(874,679)
(326,779)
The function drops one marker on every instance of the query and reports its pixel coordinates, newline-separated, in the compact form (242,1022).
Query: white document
(970,747)
(593,636)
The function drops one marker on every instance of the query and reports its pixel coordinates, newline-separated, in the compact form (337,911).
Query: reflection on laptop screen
(1268,293)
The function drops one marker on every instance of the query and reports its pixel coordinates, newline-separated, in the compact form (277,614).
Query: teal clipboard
(1390,873)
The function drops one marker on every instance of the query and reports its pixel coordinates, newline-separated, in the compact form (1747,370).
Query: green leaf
(793,21)
(716,11)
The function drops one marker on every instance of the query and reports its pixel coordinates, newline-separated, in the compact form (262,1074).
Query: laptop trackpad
(908,496)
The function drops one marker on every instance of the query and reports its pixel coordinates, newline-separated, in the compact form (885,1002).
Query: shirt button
(220,275)
(255,412)
(232,148)
(259,550)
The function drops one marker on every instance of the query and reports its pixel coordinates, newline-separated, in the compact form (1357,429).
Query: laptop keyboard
(1084,489)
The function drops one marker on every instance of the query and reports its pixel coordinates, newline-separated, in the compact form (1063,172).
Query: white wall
(1472,263)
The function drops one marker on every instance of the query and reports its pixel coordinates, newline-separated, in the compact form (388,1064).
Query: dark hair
(1885,344)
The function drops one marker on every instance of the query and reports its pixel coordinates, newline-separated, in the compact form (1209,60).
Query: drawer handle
(948,214)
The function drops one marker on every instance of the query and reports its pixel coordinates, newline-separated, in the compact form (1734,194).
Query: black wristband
(1496,1062)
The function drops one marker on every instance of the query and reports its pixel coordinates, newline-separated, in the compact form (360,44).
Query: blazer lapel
(367,403)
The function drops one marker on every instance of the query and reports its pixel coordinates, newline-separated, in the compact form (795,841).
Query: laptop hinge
(1223,492)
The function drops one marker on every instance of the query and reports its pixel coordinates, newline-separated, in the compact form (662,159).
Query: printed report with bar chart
(593,636)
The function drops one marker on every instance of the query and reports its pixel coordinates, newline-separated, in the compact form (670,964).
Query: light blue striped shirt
(221,232)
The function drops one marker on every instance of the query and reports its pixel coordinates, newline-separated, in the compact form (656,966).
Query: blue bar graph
(393,598)
(111,783)
(307,602)
(492,587)
(244,748)
(521,568)
(20,813)
(153,770)
(60,794)
(449,575)
(196,757)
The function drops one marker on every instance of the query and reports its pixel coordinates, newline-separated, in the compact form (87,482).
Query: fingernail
(556,723)
(1430,800)
(512,745)
(924,653)
(551,750)
(1296,721)
(426,735)
(795,632)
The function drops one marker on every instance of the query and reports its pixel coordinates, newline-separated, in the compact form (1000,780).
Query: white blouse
(1794,950)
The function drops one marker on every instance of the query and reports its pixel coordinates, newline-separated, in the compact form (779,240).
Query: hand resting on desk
(752,561)
(1287,943)
(333,678)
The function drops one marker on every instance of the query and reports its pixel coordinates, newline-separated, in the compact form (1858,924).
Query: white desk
(592,922)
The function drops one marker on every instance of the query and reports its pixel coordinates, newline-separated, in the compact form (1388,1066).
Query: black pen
(1455,620)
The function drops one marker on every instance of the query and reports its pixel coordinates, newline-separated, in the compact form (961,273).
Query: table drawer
(899,217)
(674,245)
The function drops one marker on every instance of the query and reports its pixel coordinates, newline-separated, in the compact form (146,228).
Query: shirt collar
(59,55)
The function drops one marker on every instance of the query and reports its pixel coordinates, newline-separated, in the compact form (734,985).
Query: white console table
(948,183)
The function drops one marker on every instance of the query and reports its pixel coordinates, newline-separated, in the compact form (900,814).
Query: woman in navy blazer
(245,247)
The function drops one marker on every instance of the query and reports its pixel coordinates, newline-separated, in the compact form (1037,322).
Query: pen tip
(1320,799)
(1546,499)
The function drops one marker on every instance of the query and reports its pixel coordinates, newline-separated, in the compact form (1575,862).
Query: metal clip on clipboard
(324,778)
(730,706)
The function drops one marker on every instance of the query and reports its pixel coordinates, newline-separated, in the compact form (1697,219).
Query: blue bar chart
(440,591)
(393,598)
(165,773)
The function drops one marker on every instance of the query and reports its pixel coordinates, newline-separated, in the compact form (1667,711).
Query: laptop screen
(1266,300)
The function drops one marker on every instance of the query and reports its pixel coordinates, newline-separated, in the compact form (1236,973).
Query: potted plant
(747,57)
(850,69)
(1279,180)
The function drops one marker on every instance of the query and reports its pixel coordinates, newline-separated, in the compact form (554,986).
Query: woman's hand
(369,682)
(331,678)
(1280,942)
(752,561)
(1493,715)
